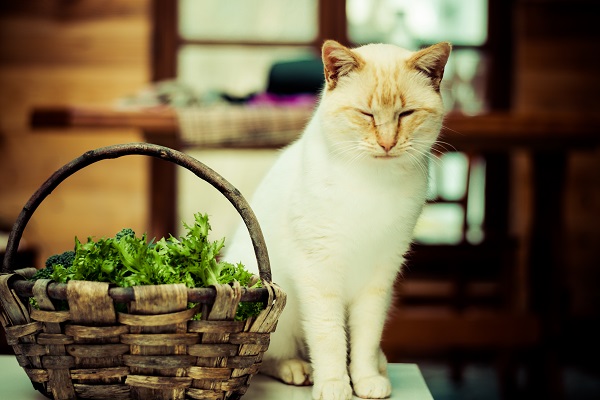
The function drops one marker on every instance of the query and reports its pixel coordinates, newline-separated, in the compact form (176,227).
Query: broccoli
(125,232)
(44,273)
(125,261)
(65,259)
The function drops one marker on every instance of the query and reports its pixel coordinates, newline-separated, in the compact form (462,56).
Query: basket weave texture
(152,351)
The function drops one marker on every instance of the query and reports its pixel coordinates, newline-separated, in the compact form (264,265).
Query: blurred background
(482,316)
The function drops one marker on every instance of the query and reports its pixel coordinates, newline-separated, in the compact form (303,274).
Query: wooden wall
(556,71)
(70,52)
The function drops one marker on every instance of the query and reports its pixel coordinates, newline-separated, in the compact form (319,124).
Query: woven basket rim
(58,291)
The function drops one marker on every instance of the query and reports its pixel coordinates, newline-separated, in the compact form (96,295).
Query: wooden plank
(112,41)
(113,392)
(69,11)
(50,316)
(54,338)
(213,350)
(433,330)
(94,332)
(162,362)
(487,131)
(160,339)
(58,362)
(27,86)
(156,120)
(502,131)
(209,373)
(158,319)
(98,350)
(158,382)
(95,373)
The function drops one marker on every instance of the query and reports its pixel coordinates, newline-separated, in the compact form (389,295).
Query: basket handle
(147,149)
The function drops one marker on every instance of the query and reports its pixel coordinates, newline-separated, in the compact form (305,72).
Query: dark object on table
(296,77)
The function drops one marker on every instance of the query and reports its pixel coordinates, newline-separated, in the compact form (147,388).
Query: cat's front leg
(367,316)
(324,326)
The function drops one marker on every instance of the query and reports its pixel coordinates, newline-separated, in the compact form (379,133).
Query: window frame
(332,23)
(166,40)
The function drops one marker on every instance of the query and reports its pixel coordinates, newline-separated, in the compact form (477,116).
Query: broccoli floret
(125,232)
(65,259)
(44,273)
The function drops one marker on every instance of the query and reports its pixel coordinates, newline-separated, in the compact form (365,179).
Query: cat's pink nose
(387,146)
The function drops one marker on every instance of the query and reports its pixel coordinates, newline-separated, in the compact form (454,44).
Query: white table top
(407,383)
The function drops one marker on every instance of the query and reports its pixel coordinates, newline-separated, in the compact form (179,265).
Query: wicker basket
(155,350)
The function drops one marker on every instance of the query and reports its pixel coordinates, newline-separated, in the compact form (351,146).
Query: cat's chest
(368,195)
(348,209)
(360,229)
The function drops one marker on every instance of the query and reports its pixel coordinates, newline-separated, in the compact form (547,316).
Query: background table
(407,383)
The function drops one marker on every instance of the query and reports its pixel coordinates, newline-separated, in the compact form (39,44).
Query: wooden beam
(433,330)
(165,39)
(498,131)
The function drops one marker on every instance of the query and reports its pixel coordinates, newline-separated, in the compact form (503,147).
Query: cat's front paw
(373,387)
(333,389)
(293,371)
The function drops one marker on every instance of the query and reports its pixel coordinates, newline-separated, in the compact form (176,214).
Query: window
(456,209)
(235,42)
(415,24)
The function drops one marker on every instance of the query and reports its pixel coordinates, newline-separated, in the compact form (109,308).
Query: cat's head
(382,102)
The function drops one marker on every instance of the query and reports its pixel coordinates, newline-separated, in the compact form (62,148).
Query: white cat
(338,210)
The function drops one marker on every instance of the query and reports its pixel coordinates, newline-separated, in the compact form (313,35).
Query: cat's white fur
(338,210)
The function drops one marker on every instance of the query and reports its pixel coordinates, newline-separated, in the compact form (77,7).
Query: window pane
(235,70)
(411,23)
(440,223)
(452,184)
(463,87)
(259,20)
(434,170)
(448,175)
(476,202)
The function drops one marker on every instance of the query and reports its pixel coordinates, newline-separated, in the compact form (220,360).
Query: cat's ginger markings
(338,209)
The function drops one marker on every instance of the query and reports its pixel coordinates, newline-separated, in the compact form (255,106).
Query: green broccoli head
(125,232)
(65,259)
(44,273)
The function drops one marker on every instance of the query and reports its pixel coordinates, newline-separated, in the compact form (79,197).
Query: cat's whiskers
(429,156)
(451,130)
(444,146)
(421,153)
(359,155)
(341,149)
(350,151)
(433,147)
(416,161)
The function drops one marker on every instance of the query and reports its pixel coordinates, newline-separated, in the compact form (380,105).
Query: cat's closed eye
(405,113)
(366,113)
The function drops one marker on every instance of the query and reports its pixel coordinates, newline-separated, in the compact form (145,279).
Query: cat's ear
(338,60)
(431,61)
